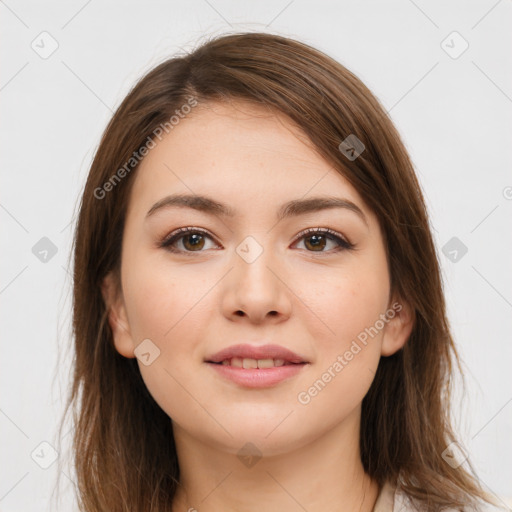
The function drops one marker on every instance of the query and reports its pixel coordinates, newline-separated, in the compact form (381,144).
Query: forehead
(241,153)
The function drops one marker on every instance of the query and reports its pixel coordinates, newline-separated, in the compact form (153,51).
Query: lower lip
(258,377)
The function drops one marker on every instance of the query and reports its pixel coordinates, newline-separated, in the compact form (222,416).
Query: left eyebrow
(292,208)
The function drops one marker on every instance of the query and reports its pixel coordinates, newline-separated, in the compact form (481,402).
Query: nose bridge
(254,286)
(252,261)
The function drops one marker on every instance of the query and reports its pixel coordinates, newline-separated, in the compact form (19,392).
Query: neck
(323,474)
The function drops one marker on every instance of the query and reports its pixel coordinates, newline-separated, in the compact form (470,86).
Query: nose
(257,292)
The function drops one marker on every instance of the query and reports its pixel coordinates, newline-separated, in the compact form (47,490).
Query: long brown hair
(124,452)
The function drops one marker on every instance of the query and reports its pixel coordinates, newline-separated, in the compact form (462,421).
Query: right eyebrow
(196,202)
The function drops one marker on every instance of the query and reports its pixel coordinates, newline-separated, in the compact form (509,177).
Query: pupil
(194,240)
(317,241)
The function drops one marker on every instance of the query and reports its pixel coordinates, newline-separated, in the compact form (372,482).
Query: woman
(258,310)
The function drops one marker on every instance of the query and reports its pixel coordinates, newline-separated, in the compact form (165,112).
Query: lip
(258,377)
(245,350)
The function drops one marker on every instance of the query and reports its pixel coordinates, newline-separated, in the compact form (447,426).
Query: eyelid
(184,231)
(343,244)
(325,231)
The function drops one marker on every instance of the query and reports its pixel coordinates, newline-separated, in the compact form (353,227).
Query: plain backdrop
(442,69)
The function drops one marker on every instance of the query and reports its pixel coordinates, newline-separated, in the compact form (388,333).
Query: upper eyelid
(180,232)
(329,231)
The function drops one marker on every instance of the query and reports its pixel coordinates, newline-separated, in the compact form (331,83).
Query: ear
(398,327)
(117,318)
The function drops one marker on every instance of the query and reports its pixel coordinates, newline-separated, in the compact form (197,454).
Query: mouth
(255,356)
(256,373)
(251,364)
(256,366)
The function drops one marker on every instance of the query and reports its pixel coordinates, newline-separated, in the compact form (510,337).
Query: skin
(312,302)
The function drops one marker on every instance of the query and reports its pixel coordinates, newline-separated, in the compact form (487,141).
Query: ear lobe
(117,317)
(398,328)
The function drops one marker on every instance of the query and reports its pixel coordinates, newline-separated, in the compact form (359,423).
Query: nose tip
(255,293)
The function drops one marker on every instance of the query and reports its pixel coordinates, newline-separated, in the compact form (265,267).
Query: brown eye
(186,240)
(193,242)
(316,242)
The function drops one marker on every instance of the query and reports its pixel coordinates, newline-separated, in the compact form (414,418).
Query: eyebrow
(289,209)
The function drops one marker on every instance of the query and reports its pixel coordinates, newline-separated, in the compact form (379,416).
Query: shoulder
(392,499)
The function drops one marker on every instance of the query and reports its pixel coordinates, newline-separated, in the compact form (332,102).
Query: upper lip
(245,351)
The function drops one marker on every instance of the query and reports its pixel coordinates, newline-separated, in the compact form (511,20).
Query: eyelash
(343,244)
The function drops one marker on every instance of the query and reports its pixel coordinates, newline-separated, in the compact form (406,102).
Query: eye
(192,240)
(316,239)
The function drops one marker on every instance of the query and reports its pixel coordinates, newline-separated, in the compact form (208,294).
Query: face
(311,279)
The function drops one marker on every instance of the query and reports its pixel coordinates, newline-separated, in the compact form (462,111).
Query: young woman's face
(253,278)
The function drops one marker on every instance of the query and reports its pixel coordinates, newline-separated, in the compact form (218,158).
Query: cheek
(349,351)
(348,359)
(165,307)
(160,315)
(350,304)
(161,299)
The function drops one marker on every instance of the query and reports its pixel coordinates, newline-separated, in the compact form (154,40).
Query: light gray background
(453,113)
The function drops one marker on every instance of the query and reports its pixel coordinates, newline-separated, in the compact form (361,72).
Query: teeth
(250,363)
(265,363)
(253,363)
